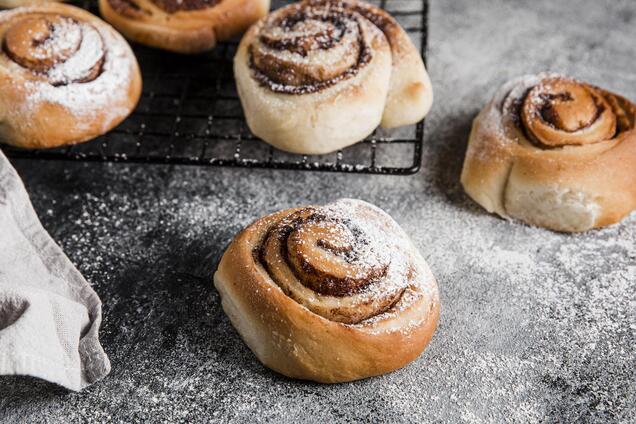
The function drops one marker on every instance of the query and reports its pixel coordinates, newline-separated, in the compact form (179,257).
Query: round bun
(329,293)
(182,26)
(65,76)
(319,75)
(554,152)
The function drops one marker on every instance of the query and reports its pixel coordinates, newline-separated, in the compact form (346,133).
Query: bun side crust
(411,93)
(9,4)
(185,31)
(292,340)
(569,188)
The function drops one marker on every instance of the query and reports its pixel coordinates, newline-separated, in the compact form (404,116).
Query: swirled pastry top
(58,61)
(557,112)
(329,293)
(309,46)
(555,152)
(312,45)
(319,75)
(347,261)
(56,48)
(302,49)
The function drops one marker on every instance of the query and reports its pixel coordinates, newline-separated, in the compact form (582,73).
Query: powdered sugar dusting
(84,99)
(302,49)
(346,261)
(531,320)
(386,240)
(67,36)
(107,94)
(81,63)
(535,326)
(499,117)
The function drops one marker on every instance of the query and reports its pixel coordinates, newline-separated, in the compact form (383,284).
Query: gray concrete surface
(535,327)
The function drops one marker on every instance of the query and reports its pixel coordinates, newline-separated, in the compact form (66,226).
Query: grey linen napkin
(49,315)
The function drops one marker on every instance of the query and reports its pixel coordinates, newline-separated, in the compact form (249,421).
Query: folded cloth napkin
(49,315)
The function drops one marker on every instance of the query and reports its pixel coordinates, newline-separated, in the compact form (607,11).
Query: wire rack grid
(190,114)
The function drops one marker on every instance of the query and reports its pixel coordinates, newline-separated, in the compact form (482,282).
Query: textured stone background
(536,326)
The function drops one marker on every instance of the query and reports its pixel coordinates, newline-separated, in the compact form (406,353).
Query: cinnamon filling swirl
(561,112)
(128,8)
(336,265)
(302,50)
(173,6)
(132,8)
(61,49)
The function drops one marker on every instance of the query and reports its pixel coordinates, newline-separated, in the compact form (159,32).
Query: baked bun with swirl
(329,293)
(65,76)
(8,4)
(320,75)
(182,26)
(554,152)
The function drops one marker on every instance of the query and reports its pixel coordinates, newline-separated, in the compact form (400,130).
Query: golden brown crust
(554,152)
(9,4)
(65,76)
(299,343)
(183,27)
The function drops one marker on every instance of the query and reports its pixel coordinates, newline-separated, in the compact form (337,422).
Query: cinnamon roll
(554,152)
(182,26)
(320,75)
(329,293)
(65,76)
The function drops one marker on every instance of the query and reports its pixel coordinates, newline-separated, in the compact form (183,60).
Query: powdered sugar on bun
(554,152)
(64,69)
(320,75)
(329,293)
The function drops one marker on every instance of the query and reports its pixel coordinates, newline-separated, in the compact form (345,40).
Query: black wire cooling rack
(190,114)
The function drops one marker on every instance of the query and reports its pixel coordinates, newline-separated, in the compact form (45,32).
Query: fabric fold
(49,314)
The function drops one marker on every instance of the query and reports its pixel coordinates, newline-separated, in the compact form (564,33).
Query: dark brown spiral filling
(560,112)
(128,8)
(337,262)
(302,49)
(327,255)
(61,49)
(132,9)
(172,6)
(380,18)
